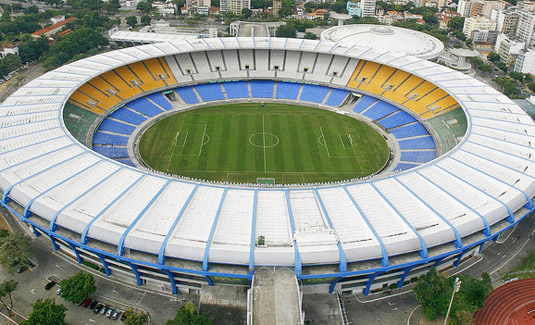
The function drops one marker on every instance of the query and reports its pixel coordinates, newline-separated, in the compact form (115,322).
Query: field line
(172,151)
(264,140)
(184,144)
(325,141)
(342,141)
(354,152)
(202,140)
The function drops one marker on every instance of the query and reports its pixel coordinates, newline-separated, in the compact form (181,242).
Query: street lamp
(456,287)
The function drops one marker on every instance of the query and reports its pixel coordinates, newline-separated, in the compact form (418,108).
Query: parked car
(98,308)
(103,311)
(123,317)
(79,302)
(21,269)
(58,292)
(49,285)
(109,312)
(86,302)
(116,314)
(93,304)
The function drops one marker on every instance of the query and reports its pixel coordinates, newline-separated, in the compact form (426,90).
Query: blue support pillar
(458,260)
(53,240)
(404,275)
(334,283)
(438,260)
(212,232)
(372,277)
(172,280)
(136,273)
(75,250)
(35,232)
(104,264)
(210,282)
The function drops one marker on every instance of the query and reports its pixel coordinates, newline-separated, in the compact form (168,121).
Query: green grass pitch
(244,142)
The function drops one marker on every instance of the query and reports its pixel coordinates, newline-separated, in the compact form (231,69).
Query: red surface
(511,304)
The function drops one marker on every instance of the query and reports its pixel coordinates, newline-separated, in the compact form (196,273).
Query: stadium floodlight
(456,287)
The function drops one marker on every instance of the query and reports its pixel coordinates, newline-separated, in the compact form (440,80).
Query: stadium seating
(314,93)
(109,139)
(364,103)
(395,120)
(262,88)
(410,130)
(336,97)
(236,89)
(417,143)
(420,156)
(128,116)
(209,92)
(379,110)
(112,152)
(288,90)
(145,107)
(160,100)
(187,95)
(116,127)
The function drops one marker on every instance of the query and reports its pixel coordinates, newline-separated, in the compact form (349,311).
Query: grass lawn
(244,142)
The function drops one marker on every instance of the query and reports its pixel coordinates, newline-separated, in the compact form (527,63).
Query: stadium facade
(180,234)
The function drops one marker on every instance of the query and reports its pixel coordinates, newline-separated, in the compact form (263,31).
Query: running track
(511,304)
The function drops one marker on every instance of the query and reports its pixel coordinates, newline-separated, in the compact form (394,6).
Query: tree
(531,86)
(502,66)
(32,50)
(111,6)
(493,57)
(286,31)
(287,8)
(339,7)
(187,314)
(145,20)
(463,317)
(78,287)
(309,35)
(46,312)
(6,288)
(456,23)
(131,20)
(528,78)
(16,251)
(31,10)
(517,76)
(133,318)
(484,68)
(246,13)
(144,6)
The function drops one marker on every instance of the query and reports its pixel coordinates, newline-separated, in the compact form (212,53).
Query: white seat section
(497,147)
(193,229)
(59,197)
(80,213)
(262,65)
(28,140)
(308,62)
(185,63)
(179,74)
(31,109)
(514,199)
(480,117)
(343,68)
(231,60)
(428,224)
(277,58)
(518,128)
(216,60)
(273,222)
(34,160)
(494,107)
(27,119)
(470,196)
(41,91)
(462,218)
(13,132)
(113,223)
(484,135)
(357,239)
(246,58)
(232,238)
(321,73)
(151,230)
(289,70)
(396,235)
(206,73)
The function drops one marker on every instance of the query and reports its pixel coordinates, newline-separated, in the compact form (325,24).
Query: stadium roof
(477,187)
(386,38)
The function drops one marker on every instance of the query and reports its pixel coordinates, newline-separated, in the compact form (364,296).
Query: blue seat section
(418,143)
(112,152)
(418,156)
(314,93)
(236,89)
(397,119)
(187,95)
(117,127)
(125,115)
(287,90)
(209,92)
(363,103)
(109,139)
(145,107)
(404,166)
(381,109)
(126,162)
(160,99)
(409,131)
(336,97)
(262,88)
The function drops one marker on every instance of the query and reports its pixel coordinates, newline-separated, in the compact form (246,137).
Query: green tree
(528,78)
(46,312)
(339,7)
(78,287)
(463,317)
(16,252)
(456,23)
(187,314)
(287,8)
(111,6)
(144,6)
(133,318)
(517,76)
(309,35)
(31,10)
(484,68)
(132,21)
(6,288)
(32,50)
(531,86)
(145,20)
(286,31)
(246,13)
(493,56)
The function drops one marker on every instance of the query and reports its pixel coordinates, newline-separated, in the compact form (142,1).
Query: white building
(526,26)
(8,49)
(200,7)
(477,23)
(506,21)
(525,61)
(368,8)
(235,6)
(508,49)
(164,8)
(464,8)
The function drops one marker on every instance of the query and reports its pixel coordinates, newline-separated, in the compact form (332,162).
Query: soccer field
(248,143)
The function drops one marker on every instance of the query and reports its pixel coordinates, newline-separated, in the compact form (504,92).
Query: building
(526,26)
(164,8)
(250,29)
(277,4)
(8,48)
(464,8)
(353,9)
(506,21)
(525,5)
(52,29)
(508,49)
(525,61)
(477,23)
(368,8)
(200,7)
(234,6)
(484,36)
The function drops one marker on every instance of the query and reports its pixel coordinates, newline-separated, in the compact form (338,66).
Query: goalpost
(350,139)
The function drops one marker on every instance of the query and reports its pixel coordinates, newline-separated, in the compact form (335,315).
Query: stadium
(456,169)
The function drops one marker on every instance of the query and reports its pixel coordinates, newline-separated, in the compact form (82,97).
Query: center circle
(264,140)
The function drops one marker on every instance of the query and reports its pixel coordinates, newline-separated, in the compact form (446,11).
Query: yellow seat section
(399,93)
(98,89)
(381,76)
(128,76)
(160,70)
(125,90)
(84,101)
(148,82)
(421,91)
(353,81)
